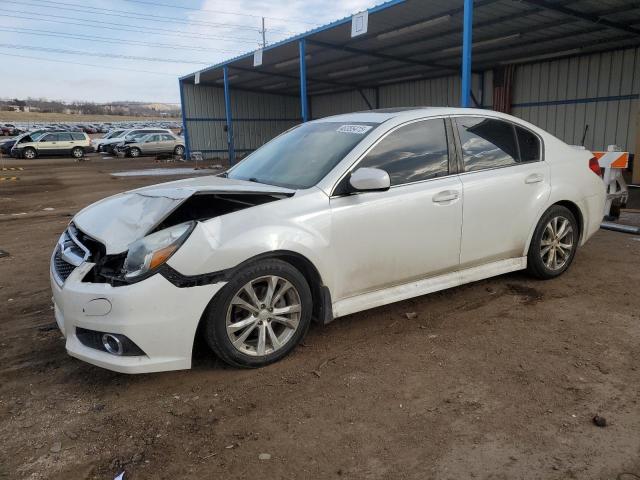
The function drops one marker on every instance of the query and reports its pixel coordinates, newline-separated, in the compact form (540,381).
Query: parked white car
(332,217)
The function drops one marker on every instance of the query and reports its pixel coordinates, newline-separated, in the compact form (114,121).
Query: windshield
(301,157)
(36,135)
(114,134)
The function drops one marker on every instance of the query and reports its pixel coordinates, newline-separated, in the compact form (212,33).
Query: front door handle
(446,196)
(534,178)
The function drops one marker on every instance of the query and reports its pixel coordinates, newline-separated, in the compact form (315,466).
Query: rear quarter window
(529,143)
(78,136)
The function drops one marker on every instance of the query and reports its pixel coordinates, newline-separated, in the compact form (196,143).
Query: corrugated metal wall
(561,96)
(599,90)
(443,91)
(257,118)
(345,102)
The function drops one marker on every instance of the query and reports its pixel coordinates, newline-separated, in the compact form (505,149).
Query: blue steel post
(227,109)
(304,107)
(466,53)
(185,131)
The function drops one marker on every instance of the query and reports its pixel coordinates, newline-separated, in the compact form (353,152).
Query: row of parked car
(132,142)
(13,129)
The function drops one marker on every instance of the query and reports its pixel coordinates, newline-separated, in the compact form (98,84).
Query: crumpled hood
(119,220)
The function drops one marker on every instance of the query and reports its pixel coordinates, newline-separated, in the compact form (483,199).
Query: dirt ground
(499,379)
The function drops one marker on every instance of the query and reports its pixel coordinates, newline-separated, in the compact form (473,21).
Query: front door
(506,185)
(409,232)
(152,144)
(48,144)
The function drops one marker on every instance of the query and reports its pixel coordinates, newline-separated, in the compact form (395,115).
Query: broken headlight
(148,253)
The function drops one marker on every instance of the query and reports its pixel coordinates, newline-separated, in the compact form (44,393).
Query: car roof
(408,113)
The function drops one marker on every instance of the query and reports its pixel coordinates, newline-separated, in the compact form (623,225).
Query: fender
(554,200)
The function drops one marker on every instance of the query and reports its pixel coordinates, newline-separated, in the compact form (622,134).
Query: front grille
(62,268)
(74,248)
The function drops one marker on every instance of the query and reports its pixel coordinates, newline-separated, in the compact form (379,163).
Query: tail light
(594,166)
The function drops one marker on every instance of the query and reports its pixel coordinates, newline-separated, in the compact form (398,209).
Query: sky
(76,50)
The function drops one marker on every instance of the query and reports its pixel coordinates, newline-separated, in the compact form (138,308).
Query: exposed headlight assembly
(152,251)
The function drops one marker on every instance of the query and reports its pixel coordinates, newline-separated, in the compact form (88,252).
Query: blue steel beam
(185,130)
(227,109)
(304,107)
(465,98)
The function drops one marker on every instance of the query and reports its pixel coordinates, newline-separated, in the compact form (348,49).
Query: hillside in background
(77,109)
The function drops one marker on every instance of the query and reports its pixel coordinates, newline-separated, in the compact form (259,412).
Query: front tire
(29,153)
(134,152)
(260,315)
(554,243)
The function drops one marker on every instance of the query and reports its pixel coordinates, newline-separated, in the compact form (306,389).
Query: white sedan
(330,218)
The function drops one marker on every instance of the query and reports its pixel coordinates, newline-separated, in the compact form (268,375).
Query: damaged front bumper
(155,315)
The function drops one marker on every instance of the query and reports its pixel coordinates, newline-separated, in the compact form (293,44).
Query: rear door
(409,232)
(506,185)
(65,144)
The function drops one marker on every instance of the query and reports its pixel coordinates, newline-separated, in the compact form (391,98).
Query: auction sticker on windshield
(357,129)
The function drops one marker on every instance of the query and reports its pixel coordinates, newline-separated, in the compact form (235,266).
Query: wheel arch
(572,207)
(320,294)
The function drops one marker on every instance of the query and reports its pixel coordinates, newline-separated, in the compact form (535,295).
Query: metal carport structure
(582,53)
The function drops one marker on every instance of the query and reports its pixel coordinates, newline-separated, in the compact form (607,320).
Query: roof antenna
(584,134)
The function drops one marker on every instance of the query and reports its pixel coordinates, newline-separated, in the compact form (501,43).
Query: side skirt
(397,293)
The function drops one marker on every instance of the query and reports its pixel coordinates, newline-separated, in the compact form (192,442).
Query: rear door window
(486,143)
(64,137)
(414,152)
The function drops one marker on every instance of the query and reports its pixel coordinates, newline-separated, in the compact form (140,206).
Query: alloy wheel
(263,315)
(557,243)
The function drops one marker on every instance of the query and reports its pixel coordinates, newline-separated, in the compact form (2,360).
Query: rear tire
(179,151)
(554,243)
(253,333)
(29,153)
(77,152)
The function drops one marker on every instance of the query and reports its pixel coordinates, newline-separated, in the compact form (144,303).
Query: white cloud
(22,77)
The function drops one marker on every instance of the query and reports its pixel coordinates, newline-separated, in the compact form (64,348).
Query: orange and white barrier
(612,159)
(614,163)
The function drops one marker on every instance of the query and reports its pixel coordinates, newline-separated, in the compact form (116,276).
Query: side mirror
(370,180)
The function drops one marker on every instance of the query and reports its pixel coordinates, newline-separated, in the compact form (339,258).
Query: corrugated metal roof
(412,39)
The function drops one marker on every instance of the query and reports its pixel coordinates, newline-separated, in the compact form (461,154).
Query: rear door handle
(445,196)
(534,178)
